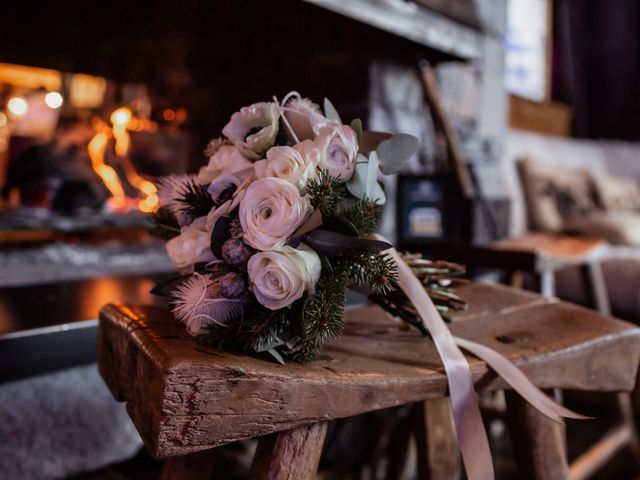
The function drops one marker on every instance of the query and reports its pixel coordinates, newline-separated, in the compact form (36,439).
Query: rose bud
(236,253)
(232,285)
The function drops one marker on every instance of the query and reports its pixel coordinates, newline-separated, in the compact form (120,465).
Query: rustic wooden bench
(186,398)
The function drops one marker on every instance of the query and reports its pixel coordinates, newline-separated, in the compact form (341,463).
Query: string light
(18,106)
(53,100)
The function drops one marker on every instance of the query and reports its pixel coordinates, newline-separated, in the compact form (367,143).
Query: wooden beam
(290,455)
(454,151)
(438,452)
(600,453)
(538,443)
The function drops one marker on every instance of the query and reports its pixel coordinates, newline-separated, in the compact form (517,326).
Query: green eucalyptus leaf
(373,189)
(372,174)
(330,111)
(364,183)
(358,184)
(356,125)
(394,152)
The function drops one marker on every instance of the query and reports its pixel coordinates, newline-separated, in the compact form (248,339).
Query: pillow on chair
(554,195)
(620,228)
(618,194)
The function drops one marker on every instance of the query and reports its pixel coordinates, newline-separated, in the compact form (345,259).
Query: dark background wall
(208,56)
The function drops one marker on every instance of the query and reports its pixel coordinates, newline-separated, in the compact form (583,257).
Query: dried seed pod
(236,253)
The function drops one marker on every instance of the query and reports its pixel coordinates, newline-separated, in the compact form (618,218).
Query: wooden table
(185,398)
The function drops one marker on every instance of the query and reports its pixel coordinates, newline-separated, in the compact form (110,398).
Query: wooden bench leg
(290,455)
(537,442)
(194,466)
(625,408)
(438,453)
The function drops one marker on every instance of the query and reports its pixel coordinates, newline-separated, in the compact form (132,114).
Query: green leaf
(394,152)
(372,175)
(356,125)
(364,183)
(330,111)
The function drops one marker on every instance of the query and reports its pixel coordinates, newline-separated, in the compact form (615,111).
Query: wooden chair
(186,399)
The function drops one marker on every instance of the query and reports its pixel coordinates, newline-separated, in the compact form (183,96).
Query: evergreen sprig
(364,214)
(373,269)
(195,199)
(323,313)
(326,193)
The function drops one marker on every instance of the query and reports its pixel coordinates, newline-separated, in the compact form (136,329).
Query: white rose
(225,161)
(254,128)
(305,118)
(270,211)
(338,145)
(192,245)
(294,164)
(280,278)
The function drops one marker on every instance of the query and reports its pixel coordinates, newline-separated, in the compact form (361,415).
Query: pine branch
(322,316)
(373,269)
(326,193)
(364,214)
(438,279)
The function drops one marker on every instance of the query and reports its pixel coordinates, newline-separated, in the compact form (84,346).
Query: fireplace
(79,158)
(161,92)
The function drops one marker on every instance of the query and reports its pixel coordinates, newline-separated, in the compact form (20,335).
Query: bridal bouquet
(271,232)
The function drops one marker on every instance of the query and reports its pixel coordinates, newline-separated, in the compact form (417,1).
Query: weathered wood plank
(438,457)
(194,466)
(184,397)
(290,455)
(537,442)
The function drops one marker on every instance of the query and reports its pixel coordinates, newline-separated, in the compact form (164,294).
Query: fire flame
(121,120)
(97,146)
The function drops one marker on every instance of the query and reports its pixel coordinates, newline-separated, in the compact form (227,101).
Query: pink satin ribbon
(472,437)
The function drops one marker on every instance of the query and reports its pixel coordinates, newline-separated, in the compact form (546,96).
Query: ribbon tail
(519,381)
(472,437)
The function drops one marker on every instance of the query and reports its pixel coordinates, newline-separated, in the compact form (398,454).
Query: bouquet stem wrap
(472,437)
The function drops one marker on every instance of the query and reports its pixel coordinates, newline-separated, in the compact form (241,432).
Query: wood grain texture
(194,466)
(537,442)
(438,453)
(184,397)
(290,455)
